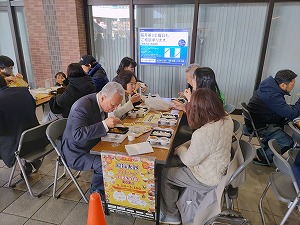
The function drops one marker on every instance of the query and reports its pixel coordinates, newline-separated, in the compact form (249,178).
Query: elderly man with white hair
(87,123)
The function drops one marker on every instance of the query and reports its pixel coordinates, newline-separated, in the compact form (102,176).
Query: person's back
(17,113)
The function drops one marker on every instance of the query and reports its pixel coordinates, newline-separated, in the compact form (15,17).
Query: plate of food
(118,130)
(161,133)
(169,116)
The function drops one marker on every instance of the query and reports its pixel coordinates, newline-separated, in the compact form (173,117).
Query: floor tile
(139,221)
(8,196)
(11,219)
(44,183)
(290,221)
(116,218)
(255,218)
(36,222)
(46,167)
(54,211)
(4,175)
(78,215)
(72,193)
(26,205)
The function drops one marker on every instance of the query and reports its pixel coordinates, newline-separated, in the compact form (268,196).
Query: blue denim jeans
(296,168)
(272,131)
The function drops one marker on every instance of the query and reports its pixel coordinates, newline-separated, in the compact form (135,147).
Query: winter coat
(99,77)
(207,155)
(77,88)
(268,105)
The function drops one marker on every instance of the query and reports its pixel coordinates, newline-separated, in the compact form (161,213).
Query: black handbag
(56,109)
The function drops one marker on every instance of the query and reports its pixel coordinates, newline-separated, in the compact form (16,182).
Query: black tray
(118,130)
(169,116)
(140,107)
(161,133)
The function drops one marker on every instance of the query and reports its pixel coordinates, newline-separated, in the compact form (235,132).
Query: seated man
(14,121)
(87,123)
(269,111)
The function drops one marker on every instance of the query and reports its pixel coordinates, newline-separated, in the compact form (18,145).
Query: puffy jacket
(207,155)
(99,77)
(268,105)
(77,88)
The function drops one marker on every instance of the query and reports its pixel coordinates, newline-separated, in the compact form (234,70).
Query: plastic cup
(131,136)
(132,114)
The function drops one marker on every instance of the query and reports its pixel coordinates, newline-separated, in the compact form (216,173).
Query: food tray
(169,116)
(161,133)
(179,99)
(118,130)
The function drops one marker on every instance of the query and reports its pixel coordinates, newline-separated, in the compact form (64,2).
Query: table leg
(158,172)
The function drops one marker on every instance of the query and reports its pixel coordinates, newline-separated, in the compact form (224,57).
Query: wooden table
(161,155)
(43,101)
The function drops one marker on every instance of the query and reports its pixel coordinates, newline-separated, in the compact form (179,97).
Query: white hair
(111,88)
(191,69)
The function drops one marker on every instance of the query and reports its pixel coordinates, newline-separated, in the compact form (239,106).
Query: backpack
(228,217)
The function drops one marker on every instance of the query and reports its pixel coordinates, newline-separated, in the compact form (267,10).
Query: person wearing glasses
(6,71)
(128,81)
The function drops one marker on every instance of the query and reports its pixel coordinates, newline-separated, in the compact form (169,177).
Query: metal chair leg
(12,175)
(288,213)
(55,176)
(260,203)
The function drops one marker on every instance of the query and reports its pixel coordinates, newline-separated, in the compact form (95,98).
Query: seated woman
(129,64)
(61,79)
(203,77)
(79,85)
(205,158)
(128,81)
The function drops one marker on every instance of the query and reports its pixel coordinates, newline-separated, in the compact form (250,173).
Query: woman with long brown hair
(205,157)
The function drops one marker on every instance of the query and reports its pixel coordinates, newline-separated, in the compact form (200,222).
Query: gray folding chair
(237,126)
(33,145)
(247,116)
(54,133)
(283,183)
(296,137)
(231,193)
(229,108)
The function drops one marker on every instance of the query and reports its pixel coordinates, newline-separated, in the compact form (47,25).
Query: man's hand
(111,122)
(10,79)
(19,75)
(188,94)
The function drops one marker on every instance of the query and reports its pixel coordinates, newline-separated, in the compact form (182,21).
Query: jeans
(272,131)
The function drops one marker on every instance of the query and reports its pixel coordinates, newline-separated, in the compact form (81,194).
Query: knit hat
(5,61)
(87,59)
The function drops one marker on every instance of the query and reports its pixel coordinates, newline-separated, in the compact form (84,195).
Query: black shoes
(30,167)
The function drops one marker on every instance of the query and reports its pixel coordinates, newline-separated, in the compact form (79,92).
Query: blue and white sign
(163,46)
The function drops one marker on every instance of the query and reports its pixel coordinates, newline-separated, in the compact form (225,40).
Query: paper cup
(131,136)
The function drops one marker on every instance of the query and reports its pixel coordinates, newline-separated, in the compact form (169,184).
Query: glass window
(25,45)
(283,51)
(6,41)
(111,36)
(229,39)
(167,81)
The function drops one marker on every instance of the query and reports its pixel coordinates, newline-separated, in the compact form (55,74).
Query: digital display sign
(163,46)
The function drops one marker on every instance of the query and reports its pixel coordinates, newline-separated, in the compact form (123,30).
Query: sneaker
(28,170)
(101,192)
(263,162)
(170,219)
(36,164)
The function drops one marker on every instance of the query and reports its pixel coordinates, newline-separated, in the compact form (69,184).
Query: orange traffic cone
(95,214)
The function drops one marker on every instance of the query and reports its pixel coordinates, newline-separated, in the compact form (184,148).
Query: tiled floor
(17,207)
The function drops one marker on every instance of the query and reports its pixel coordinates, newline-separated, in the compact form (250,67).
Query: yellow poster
(129,184)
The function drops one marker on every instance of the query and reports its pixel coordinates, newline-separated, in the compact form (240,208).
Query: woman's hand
(187,93)
(19,75)
(135,98)
(141,85)
(178,105)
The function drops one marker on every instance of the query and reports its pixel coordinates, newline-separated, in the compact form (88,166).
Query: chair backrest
(33,140)
(296,132)
(237,126)
(229,108)
(55,131)
(248,152)
(281,163)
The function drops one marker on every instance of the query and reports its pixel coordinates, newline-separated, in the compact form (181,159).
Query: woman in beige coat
(205,157)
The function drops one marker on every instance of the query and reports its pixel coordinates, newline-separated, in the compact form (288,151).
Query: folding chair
(254,133)
(283,183)
(54,133)
(230,192)
(296,136)
(237,126)
(33,145)
(229,108)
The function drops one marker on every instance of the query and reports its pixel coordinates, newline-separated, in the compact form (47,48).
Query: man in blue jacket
(95,71)
(270,111)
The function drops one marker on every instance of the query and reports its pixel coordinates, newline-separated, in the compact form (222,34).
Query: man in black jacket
(17,113)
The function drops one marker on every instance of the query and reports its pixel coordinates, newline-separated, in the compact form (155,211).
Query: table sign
(129,184)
